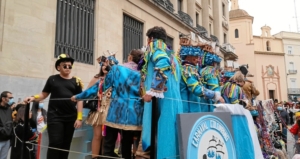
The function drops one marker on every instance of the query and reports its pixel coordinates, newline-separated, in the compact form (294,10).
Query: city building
(291,45)
(34,32)
(264,54)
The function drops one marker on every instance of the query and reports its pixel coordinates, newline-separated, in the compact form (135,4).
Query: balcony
(165,4)
(185,18)
(228,47)
(229,52)
(293,90)
(214,38)
(292,71)
(201,30)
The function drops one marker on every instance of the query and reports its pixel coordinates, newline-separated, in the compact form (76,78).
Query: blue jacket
(126,107)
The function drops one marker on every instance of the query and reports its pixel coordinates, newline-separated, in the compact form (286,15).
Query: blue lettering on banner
(210,137)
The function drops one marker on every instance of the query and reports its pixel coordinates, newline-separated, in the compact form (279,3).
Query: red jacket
(294,129)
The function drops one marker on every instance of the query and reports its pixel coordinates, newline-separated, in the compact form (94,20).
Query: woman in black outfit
(18,131)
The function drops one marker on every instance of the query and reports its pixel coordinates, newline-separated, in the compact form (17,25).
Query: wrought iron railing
(292,71)
(293,90)
(185,18)
(165,4)
(214,38)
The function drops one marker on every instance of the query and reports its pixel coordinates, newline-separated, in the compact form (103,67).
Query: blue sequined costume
(191,87)
(126,107)
(210,78)
(160,72)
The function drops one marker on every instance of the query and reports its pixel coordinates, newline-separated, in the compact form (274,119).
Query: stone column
(218,18)
(205,15)
(191,10)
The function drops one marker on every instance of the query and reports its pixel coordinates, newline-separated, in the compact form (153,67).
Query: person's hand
(147,98)
(12,107)
(29,99)
(73,98)
(221,100)
(77,124)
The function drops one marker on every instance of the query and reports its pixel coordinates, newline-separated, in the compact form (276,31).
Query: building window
(268,46)
(179,4)
(290,50)
(291,65)
(210,31)
(169,43)
(132,35)
(197,18)
(293,83)
(75,30)
(209,2)
(225,38)
(236,33)
(223,9)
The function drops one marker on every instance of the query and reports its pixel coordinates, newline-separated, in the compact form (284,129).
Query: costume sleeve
(89,93)
(294,129)
(48,85)
(159,79)
(195,87)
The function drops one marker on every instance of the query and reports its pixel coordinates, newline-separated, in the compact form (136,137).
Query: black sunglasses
(10,97)
(67,67)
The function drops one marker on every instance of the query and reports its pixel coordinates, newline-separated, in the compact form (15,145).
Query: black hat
(244,69)
(63,57)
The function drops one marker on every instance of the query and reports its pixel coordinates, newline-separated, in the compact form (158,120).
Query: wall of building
(275,44)
(28,41)
(290,39)
(243,48)
(277,82)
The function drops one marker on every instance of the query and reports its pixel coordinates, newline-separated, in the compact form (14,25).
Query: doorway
(271,94)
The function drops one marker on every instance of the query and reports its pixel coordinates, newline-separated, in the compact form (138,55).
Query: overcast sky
(278,14)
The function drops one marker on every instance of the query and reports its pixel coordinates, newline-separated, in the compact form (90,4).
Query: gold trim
(123,127)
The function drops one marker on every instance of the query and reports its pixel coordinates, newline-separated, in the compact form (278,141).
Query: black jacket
(6,123)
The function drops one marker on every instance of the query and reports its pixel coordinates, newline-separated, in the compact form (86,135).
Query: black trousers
(60,136)
(110,142)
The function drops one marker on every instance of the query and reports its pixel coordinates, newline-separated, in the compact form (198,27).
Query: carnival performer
(210,75)
(62,115)
(125,110)
(191,87)
(160,72)
(231,91)
(93,118)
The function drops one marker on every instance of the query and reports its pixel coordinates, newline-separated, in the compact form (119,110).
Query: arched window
(236,33)
(268,46)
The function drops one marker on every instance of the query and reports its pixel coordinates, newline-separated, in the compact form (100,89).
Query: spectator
(38,118)
(284,120)
(16,152)
(6,99)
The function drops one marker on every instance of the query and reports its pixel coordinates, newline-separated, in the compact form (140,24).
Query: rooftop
(239,13)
